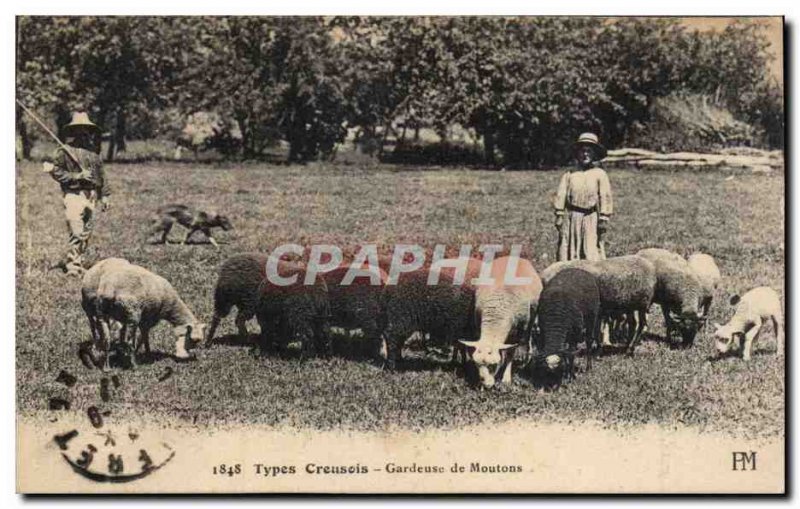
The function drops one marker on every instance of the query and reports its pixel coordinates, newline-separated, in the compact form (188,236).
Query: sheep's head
(487,357)
(688,323)
(726,339)
(188,336)
(196,333)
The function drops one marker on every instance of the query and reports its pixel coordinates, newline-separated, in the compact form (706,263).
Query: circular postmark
(102,452)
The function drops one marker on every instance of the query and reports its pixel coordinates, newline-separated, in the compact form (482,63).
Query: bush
(434,153)
(207,130)
(691,122)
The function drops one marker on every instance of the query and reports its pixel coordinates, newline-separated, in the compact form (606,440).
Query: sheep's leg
(507,366)
(606,332)
(263,339)
(212,329)
(105,334)
(777,324)
(639,321)
(667,322)
(92,327)
(133,347)
(749,337)
(374,340)
(459,354)
(144,339)
(241,325)
(322,342)
(394,348)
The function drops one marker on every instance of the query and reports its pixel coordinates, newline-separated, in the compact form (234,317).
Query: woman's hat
(592,140)
(80,120)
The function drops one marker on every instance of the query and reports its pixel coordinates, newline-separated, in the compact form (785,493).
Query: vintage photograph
(400,255)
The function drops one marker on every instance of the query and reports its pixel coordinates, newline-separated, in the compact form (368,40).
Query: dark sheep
(444,311)
(237,286)
(285,312)
(569,313)
(627,287)
(359,305)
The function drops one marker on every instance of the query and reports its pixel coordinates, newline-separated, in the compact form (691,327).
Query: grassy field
(739,220)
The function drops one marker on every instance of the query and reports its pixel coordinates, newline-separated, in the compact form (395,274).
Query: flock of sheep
(573,303)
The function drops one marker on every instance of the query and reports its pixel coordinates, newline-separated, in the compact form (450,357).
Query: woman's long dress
(583,198)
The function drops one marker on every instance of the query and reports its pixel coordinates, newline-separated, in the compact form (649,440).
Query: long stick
(52,135)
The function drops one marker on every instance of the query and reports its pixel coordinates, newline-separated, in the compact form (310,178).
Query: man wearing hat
(583,203)
(79,169)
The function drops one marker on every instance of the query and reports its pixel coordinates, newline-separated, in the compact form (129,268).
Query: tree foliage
(526,86)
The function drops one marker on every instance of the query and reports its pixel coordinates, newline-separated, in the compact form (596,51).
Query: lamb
(627,287)
(678,291)
(569,313)
(505,314)
(752,311)
(237,285)
(708,273)
(285,311)
(443,310)
(138,298)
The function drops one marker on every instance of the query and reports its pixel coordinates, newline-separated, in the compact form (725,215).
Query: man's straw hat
(593,141)
(80,120)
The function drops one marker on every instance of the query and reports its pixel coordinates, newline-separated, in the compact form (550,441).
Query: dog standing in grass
(192,220)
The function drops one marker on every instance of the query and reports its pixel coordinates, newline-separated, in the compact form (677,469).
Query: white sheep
(89,286)
(678,291)
(752,310)
(137,298)
(505,311)
(707,272)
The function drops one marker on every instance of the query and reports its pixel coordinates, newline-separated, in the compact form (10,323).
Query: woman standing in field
(583,203)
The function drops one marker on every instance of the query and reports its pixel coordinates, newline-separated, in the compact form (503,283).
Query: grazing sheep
(358,305)
(443,310)
(708,273)
(238,281)
(137,298)
(569,313)
(678,291)
(627,287)
(89,287)
(291,310)
(752,310)
(505,314)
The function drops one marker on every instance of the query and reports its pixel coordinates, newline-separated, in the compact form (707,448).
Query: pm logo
(744,460)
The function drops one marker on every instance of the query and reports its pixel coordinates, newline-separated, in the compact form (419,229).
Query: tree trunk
(63,117)
(242,122)
(121,130)
(27,142)
(488,146)
(112,145)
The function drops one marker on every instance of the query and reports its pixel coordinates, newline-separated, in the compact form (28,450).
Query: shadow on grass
(234,340)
